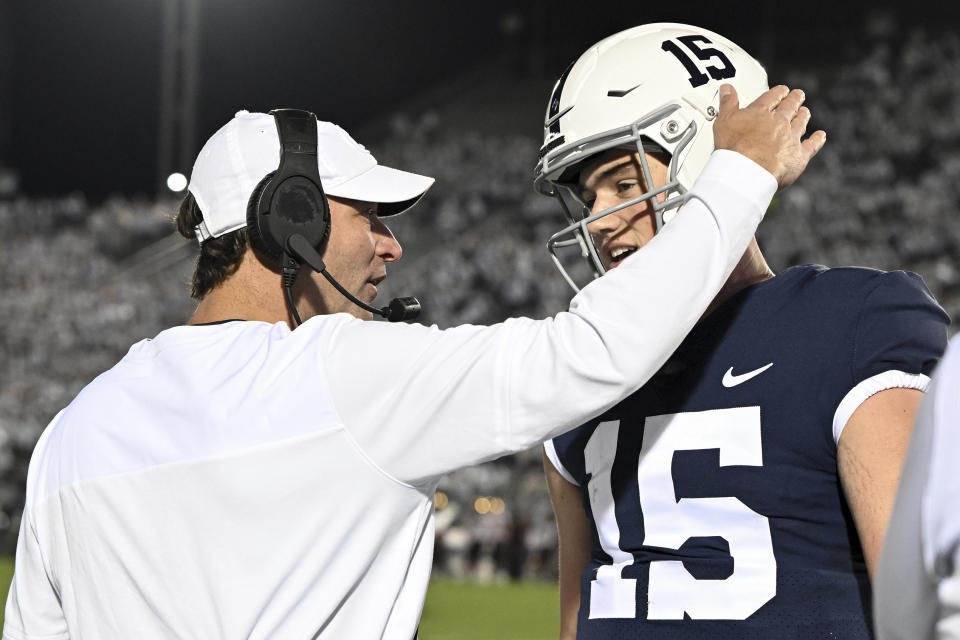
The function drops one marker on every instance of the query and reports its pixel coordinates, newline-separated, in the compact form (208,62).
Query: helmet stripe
(555,101)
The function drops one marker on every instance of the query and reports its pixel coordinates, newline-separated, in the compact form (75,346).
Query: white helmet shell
(655,83)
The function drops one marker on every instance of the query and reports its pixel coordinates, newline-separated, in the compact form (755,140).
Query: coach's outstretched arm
(461,396)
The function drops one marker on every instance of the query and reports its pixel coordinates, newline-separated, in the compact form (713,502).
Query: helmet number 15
(704,54)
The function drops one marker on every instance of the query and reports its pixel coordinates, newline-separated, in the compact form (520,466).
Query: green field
(6,574)
(465,611)
(459,611)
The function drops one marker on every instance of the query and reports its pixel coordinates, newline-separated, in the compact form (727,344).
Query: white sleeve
(948,595)
(939,512)
(33,606)
(422,402)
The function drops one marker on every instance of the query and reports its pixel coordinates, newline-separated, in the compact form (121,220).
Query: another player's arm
(573,537)
(901,332)
(870,456)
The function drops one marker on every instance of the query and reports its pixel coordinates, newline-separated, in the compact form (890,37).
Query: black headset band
(297,130)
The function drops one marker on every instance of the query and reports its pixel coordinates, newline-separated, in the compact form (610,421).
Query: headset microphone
(398,309)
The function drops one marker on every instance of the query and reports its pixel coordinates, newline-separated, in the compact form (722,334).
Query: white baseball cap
(237,157)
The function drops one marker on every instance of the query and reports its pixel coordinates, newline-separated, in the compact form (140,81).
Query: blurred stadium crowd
(80,283)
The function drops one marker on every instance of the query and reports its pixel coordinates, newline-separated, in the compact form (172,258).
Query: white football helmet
(649,88)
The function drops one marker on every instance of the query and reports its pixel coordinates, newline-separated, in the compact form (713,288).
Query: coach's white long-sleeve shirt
(243,480)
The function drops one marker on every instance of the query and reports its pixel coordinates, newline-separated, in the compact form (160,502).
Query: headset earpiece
(257,240)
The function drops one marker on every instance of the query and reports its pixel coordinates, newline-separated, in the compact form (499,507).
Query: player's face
(356,255)
(609,179)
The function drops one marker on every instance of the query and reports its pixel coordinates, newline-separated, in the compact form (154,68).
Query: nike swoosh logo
(549,122)
(619,93)
(730,380)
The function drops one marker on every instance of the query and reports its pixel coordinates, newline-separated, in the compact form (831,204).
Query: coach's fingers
(812,145)
(791,103)
(795,161)
(800,122)
(771,98)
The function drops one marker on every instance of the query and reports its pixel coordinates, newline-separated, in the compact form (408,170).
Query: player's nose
(603,224)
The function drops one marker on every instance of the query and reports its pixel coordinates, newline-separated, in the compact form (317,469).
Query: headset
(288,217)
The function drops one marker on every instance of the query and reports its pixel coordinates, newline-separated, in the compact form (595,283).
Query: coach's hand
(769,131)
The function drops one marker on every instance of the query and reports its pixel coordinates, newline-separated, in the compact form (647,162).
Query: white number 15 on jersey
(669,523)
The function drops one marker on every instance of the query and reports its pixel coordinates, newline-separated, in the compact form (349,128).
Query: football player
(743,492)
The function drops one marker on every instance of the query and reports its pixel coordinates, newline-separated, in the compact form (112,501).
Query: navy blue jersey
(713,492)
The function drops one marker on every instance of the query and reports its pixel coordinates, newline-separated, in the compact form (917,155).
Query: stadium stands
(80,283)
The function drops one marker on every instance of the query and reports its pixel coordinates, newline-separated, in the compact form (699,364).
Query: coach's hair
(219,257)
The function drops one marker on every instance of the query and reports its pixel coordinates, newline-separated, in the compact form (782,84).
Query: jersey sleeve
(566,452)
(900,335)
(550,450)
(422,402)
